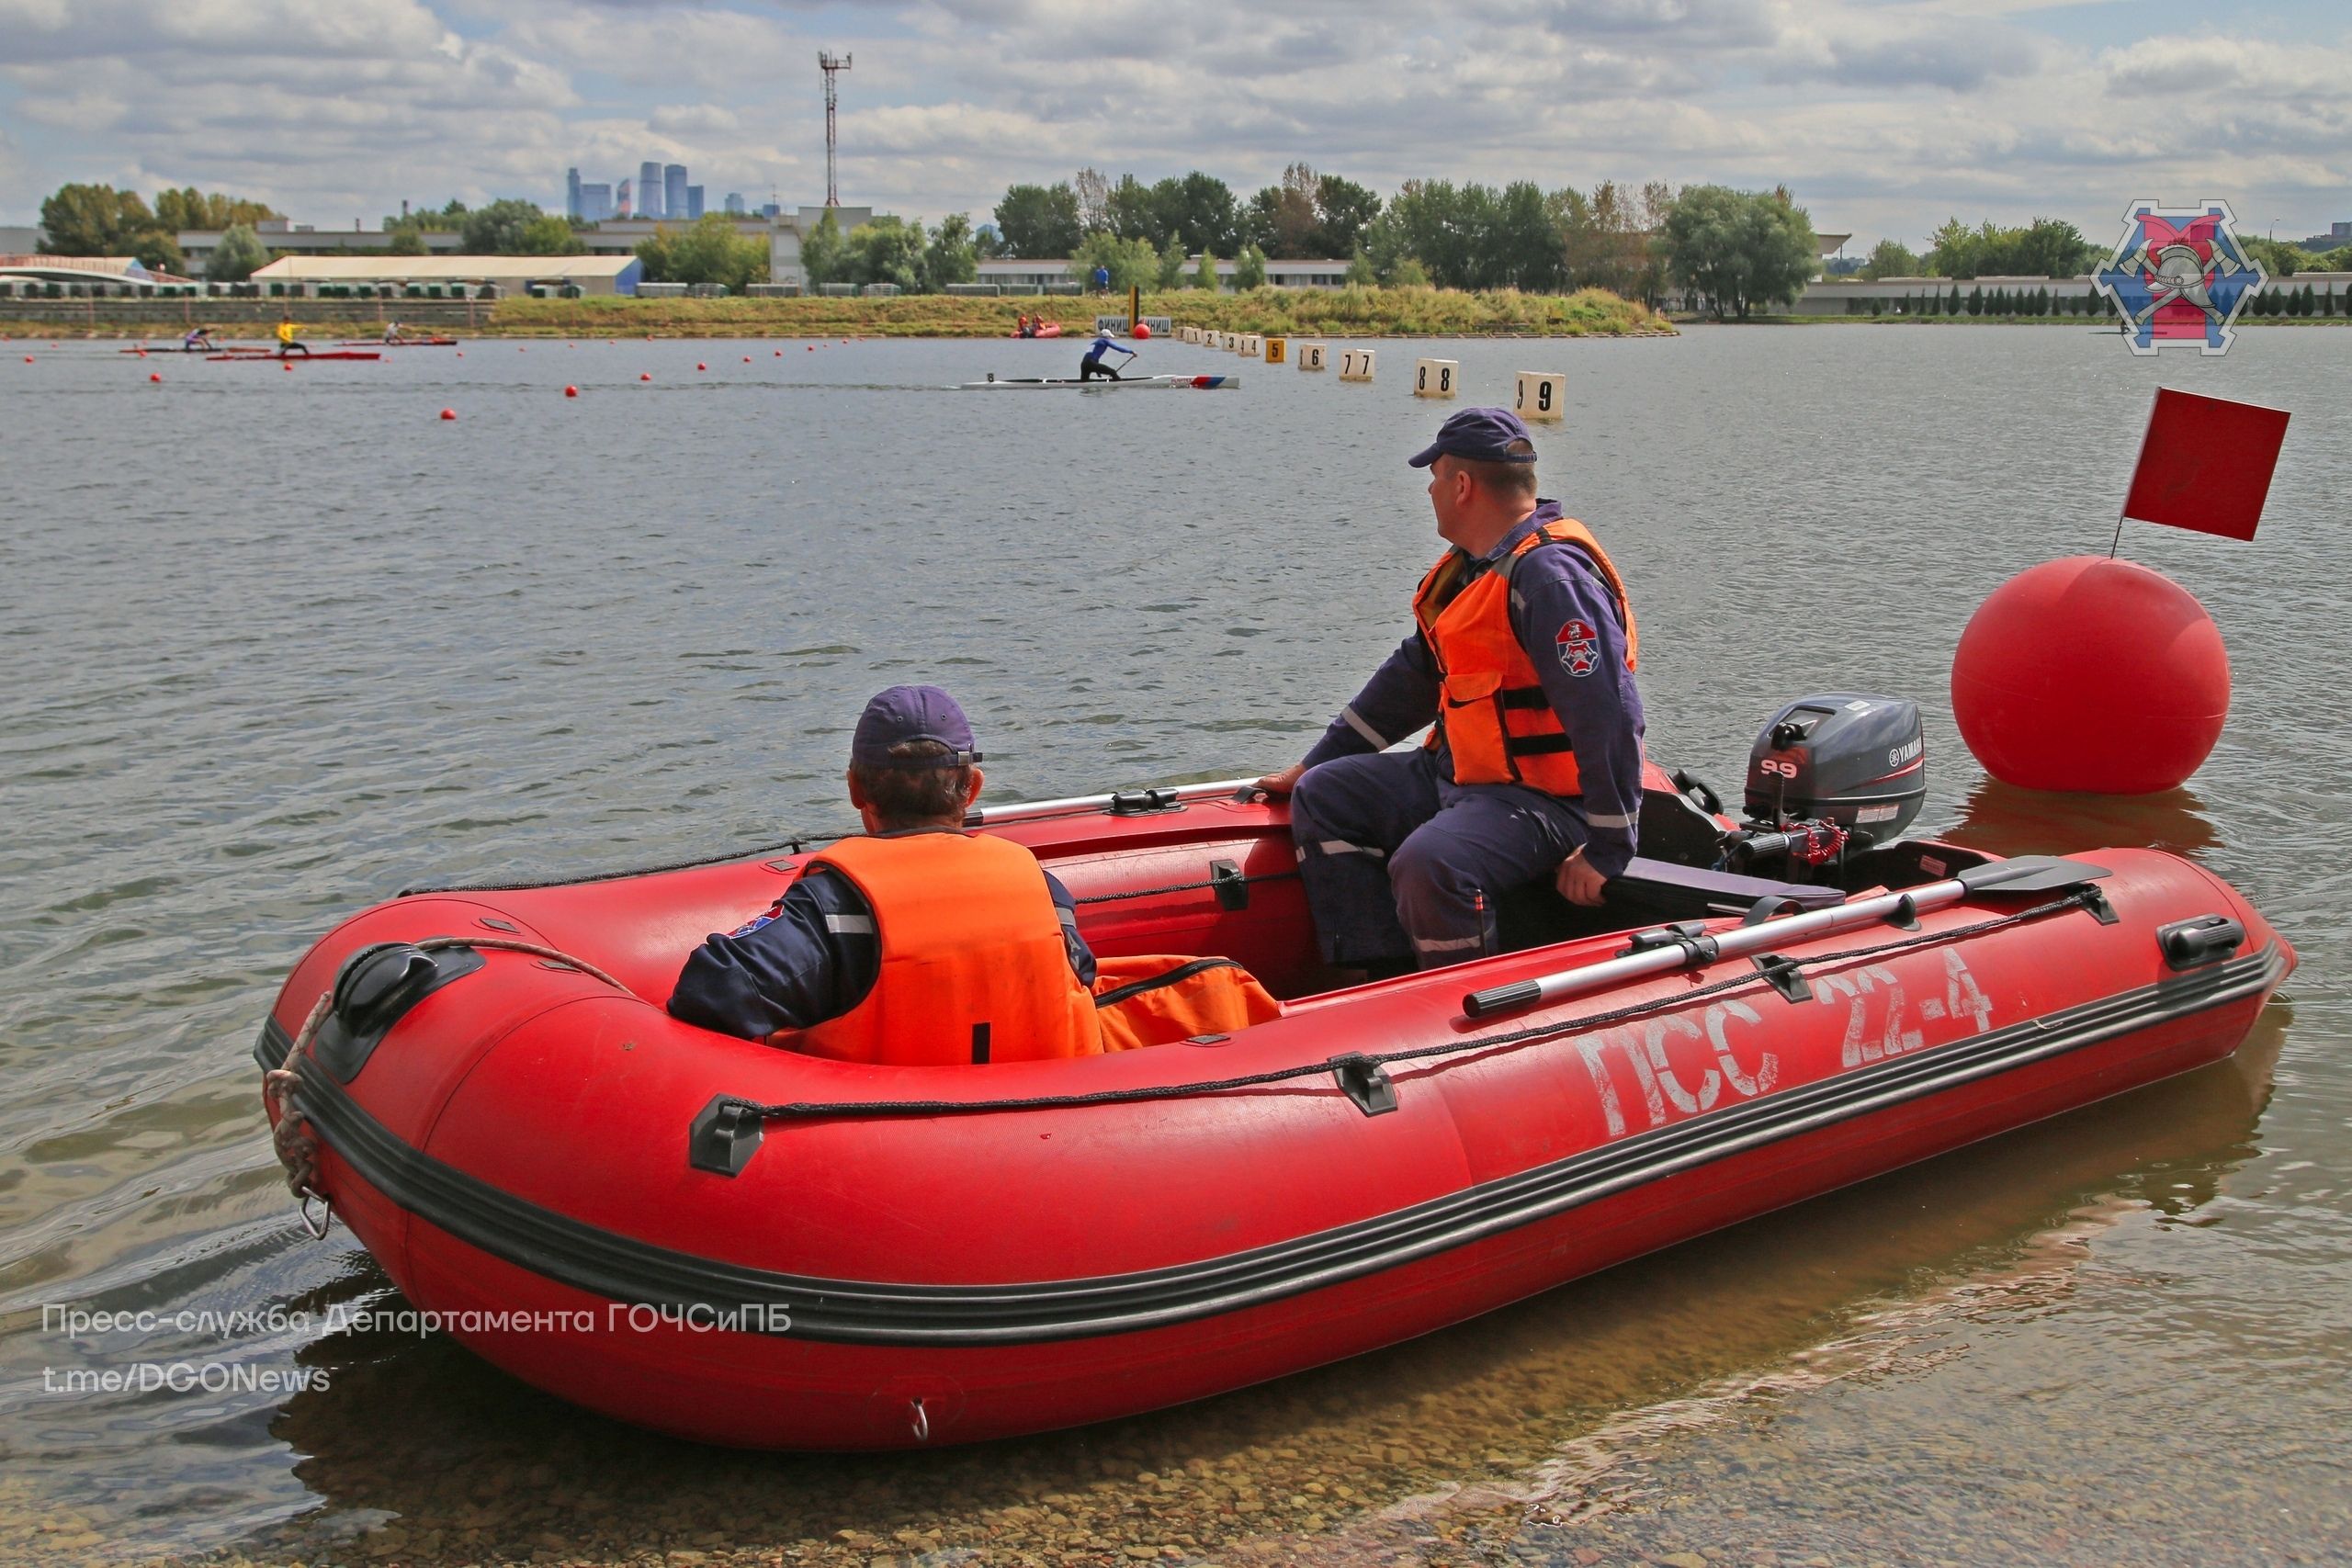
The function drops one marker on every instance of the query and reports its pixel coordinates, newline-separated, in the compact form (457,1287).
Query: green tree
(2279,258)
(1890,258)
(654,255)
(951,256)
(1204,276)
(1523,240)
(1740,249)
(1132,213)
(1408,273)
(1132,263)
(238,255)
(1171,265)
(709,250)
(1249,269)
(1092,189)
(158,251)
(405,239)
(191,209)
(1360,272)
(94,221)
(498,230)
(1284,219)
(822,255)
(548,236)
(1343,208)
(1038,221)
(1199,212)
(887,250)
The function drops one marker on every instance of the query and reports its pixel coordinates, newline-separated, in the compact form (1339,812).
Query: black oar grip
(1502,999)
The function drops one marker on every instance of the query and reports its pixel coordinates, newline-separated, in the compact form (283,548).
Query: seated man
(917,945)
(1523,655)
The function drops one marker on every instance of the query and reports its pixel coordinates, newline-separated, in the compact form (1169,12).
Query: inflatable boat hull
(886,1258)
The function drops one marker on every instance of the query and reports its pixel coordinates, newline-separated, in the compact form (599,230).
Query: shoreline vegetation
(1352,312)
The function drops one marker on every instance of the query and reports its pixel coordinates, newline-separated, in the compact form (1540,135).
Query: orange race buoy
(747,359)
(449,414)
(1143,331)
(645,375)
(29,359)
(154,376)
(287,367)
(572,391)
(2091,675)
(700,365)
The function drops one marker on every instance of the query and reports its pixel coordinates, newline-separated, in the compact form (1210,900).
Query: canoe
(315,354)
(166,348)
(746,1245)
(1055,383)
(404,342)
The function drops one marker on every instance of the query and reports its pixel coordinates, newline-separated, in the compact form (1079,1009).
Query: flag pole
(2137,463)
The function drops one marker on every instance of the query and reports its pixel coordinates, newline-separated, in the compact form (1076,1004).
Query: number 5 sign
(1541,395)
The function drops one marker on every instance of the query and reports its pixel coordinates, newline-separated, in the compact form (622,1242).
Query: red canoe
(750,1247)
(402,342)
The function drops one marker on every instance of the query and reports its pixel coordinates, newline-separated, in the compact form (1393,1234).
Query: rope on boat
(797,844)
(1187,888)
(296,1145)
(801,1110)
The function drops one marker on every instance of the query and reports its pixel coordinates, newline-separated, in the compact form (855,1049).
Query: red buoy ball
(700,365)
(449,414)
(645,375)
(572,391)
(2091,675)
(1142,331)
(154,376)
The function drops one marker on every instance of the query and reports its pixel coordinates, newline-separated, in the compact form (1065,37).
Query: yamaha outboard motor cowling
(1859,762)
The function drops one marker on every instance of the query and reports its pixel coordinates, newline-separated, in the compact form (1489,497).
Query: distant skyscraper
(770,209)
(620,201)
(734,203)
(572,193)
(673,191)
(694,202)
(597,202)
(648,190)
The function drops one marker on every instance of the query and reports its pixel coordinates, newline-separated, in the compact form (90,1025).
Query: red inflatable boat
(752,1246)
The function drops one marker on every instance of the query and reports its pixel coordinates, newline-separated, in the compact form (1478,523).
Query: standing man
(1102,280)
(287,342)
(1523,655)
(1091,365)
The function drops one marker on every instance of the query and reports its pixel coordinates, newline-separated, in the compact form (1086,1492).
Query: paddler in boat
(918,943)
(287,342)
(1091,365)
(392,335)
(1523,656)
(198,338)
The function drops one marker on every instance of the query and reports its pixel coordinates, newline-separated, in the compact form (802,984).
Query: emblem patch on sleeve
(1579,649)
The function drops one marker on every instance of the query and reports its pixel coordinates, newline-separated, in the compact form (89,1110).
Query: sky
(1884,117)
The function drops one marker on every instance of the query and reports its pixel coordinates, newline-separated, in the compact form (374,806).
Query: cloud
(1884,116)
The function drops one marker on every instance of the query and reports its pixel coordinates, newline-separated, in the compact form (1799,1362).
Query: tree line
(2051,247)
(99,221)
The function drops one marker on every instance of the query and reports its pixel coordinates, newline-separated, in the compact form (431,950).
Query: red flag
(2205,464)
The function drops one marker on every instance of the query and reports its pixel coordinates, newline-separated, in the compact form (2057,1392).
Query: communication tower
(832,65)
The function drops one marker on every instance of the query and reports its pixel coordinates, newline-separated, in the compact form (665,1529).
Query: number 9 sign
(1542,395)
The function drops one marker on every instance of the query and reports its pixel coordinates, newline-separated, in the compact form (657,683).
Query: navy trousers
(1401,863)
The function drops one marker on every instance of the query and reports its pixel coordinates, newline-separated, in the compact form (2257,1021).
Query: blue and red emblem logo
(2179,275)
(1579,649)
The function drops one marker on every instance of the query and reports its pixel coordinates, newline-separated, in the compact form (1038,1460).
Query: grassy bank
(1343,312)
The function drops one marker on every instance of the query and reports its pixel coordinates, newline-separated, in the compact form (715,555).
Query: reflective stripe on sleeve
(1608,819)
(850,925)
(1446,944)
(1355,722)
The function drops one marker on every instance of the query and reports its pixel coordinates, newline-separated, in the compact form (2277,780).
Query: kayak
(290,358)
(747,1246)
(402,342)
(1042,383)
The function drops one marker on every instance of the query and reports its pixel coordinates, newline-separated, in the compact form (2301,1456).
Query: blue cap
(1478,435)
(912,713)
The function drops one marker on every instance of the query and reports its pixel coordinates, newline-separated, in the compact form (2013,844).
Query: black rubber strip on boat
(622,1268)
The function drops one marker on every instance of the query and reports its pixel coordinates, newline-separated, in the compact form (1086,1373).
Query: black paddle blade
(2030,874)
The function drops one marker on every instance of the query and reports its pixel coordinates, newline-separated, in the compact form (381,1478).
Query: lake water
(278,643)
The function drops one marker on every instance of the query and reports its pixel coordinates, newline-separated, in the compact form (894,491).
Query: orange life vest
(1492,713)
(973,968)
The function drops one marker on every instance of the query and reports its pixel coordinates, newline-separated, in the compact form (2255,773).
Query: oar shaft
(1738,943)
(990,816)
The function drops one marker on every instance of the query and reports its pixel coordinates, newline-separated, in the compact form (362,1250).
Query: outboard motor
(1841,761)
